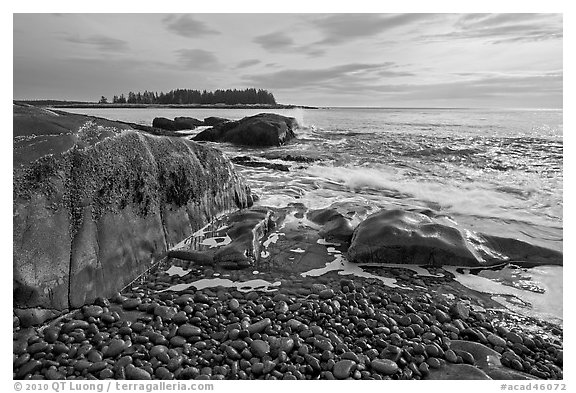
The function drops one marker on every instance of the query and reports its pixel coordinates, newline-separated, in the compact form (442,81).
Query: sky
(369,59)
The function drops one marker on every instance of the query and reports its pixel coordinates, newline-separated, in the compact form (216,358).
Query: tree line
(188,96)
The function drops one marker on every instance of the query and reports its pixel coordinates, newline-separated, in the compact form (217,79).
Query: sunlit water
(493,171)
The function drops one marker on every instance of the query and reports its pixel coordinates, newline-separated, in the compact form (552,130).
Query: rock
(214,121)
(187,330)
(34,316)
(95,201)
(136,373)
(343,369)
(131,303)
(178,124)
(246,229)
(93,311)
(384,366)
(460,310)
(28,368)
(398,236)
(264,129)
(115,348)
(258,326)
(496,340)
(188,123)
(234,305)
(158,350)
(457,372)
(260,348)
(252,163)
(326,294)
(484,357)
(165,312)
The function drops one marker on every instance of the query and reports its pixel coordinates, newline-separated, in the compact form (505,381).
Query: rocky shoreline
(263,293)
(325,327)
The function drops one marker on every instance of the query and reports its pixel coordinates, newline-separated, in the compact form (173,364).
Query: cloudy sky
(398,60)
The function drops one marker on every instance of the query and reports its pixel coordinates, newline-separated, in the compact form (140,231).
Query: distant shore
(75,104)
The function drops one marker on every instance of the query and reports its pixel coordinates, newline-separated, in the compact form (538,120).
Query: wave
(447,195)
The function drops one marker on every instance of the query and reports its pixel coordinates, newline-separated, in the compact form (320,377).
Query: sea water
(495,171)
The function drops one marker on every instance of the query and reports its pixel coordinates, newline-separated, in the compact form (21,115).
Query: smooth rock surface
(96,201)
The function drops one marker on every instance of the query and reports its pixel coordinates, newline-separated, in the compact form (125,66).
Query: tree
(103,100)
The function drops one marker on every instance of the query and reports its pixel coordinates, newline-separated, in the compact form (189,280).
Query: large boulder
(412,237)
(178,124)
(213,121)
(96,202)
(264,129)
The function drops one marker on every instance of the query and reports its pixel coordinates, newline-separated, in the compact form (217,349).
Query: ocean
(493,171)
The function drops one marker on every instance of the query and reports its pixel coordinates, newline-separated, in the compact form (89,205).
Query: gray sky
(431,60)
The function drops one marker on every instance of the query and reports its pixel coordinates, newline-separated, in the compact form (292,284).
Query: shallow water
(493,171)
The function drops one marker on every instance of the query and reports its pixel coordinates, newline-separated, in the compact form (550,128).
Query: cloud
(337,76)
(505,28)
(101,42)
(248,63)
(342,28)
(281,42)
(198,59)
(186,26)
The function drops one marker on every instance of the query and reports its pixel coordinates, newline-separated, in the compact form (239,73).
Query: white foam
(547,305)
(273,238)
(177,271)
(324,242)
(242,286)
(298,250)
(344,267)
(218,241)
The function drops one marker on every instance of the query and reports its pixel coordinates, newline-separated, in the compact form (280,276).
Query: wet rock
(460,310)
(260,348)
(343,369)
(264,129)
(187,330)
(496,340)
(28,368)
(413,238)
(258,326)
(384,366)
(136,373)
(115,348)
(457,372)
(104,198)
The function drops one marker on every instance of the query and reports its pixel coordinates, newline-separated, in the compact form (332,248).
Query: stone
(234,305)
(187,330)
(460,310)
(259,326)
(28,368)
(115,348)
(260,348)
(264,129)
(136,373)
(93,311)
(457,372)
(343,369)
(95,201)
(131,303)
(326,294)
(165,312)
(496,340)
(33,316)
(409,237)
(213,121)
(384,366)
